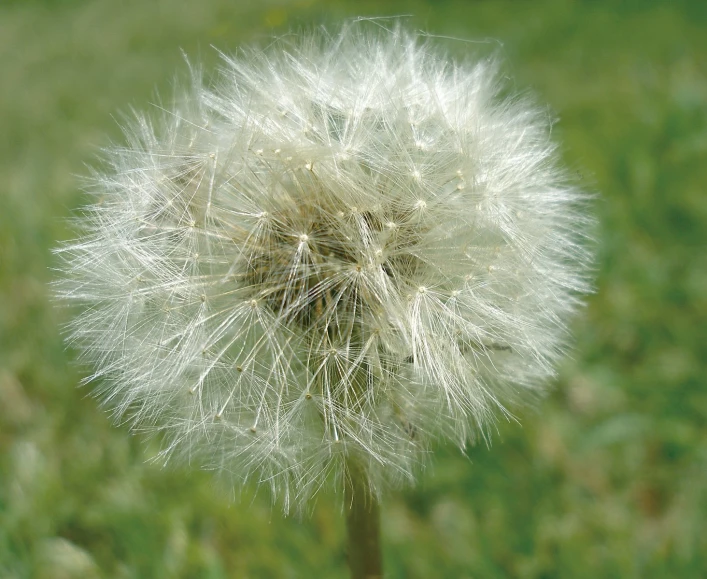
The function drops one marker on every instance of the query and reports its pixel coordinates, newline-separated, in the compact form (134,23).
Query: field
(607,477)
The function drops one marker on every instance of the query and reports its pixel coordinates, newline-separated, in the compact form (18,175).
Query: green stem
(363,525)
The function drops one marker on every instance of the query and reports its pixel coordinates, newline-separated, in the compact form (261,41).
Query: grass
(607,479)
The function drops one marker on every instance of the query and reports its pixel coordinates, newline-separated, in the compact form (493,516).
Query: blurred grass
(607,479)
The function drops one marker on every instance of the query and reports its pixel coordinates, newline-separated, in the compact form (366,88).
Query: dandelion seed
(273,220)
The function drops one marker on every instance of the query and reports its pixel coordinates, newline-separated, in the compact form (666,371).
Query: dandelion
(344,248)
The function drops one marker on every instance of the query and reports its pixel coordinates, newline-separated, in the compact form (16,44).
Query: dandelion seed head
(347,245)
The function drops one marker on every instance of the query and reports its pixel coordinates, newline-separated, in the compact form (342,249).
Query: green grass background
(607,478)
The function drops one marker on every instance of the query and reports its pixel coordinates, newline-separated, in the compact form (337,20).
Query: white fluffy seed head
(345,247)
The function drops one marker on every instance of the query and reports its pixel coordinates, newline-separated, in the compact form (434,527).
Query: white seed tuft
(413,309)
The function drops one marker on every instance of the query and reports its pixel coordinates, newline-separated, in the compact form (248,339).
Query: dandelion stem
(363,525)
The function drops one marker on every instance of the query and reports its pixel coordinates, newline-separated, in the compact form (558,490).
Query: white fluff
(347,246)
